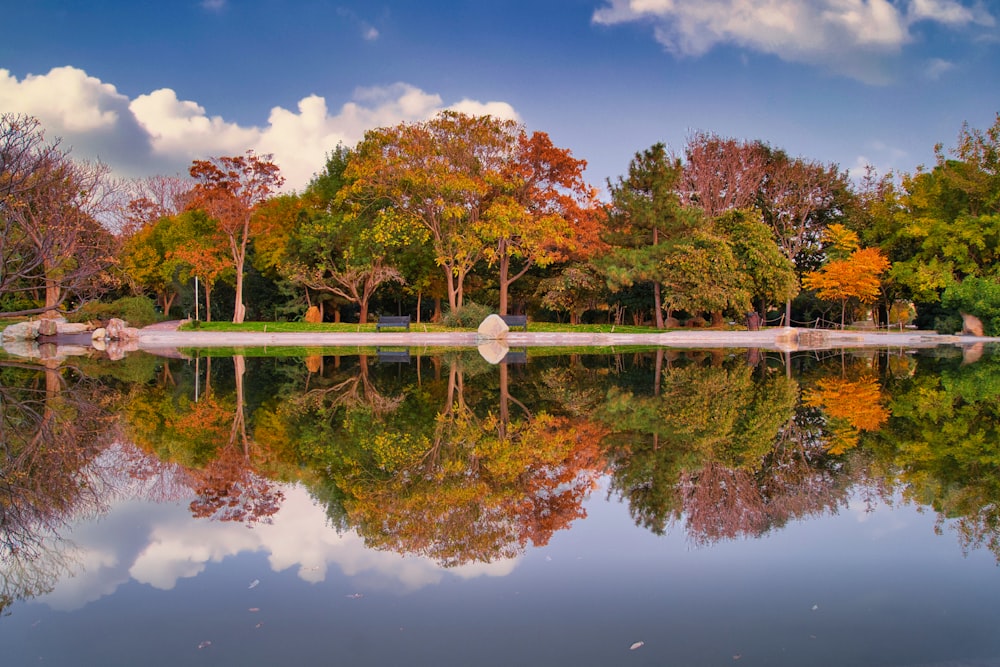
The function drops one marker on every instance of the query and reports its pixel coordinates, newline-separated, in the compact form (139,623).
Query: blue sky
(148,87)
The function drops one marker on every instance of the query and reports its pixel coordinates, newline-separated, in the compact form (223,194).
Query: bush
(137,311)
(975,296)
(468,316)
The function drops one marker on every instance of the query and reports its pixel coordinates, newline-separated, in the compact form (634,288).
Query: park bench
(393,321)
(515,321)
(398,356)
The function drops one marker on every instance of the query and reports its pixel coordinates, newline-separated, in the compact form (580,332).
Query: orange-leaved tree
(854,273)
(229,189)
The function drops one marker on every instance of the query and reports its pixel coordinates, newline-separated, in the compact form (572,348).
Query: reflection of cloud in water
(160,544)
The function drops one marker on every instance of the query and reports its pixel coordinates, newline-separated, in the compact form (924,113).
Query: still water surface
(705,508)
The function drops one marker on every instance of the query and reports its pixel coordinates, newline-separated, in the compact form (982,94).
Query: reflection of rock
(787,339)
(27,349)
(492,328)
(493,351)
(972,325)
(972,353)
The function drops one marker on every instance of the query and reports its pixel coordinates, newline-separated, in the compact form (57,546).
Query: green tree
(768,275)
(645,214)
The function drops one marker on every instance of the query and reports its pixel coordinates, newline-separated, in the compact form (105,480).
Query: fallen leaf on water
(204,644)
(355,596)
(737,656)
(254,583)
(254,609)
(815,607)
(258,625)
(636,645)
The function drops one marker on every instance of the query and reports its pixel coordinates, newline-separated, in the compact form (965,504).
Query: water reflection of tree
(717,446)
(207,435)
(454,470)
(941,446)
(54,422)
(484,485)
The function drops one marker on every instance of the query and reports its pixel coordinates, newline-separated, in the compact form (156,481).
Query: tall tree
(799,199)
(229,189)
(62,249)
(436,175)
(646,211)
(539,212)
(767,275)
(723,174)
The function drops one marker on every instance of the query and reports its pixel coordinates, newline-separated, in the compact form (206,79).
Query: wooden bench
(396,321)
(515,321)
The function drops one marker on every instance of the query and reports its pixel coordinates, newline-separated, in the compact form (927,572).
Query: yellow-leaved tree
(851,273)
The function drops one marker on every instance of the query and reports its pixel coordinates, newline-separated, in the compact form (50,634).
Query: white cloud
(851,37)
(158,133)
(65,97)
(160,544)
(936,67)
(949,12)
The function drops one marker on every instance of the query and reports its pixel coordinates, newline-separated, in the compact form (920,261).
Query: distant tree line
(458,212)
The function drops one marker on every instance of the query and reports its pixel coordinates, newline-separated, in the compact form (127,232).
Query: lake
(413,506)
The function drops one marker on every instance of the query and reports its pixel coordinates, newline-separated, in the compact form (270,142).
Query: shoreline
(153,339)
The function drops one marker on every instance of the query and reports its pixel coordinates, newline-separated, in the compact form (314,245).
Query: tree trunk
(168,303)
(454,302)
(504,272)
(658,305)
(208,302)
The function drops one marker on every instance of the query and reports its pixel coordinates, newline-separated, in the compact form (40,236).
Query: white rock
(493,328)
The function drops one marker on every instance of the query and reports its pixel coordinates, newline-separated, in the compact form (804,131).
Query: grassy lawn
(281,327)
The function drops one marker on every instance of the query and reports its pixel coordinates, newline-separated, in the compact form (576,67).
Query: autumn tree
(798,200)
(722,174)
(856,273)
(700,273)
(540,212)
(229,189)
(57,224)
(346,254)
(478,186)
(436,175)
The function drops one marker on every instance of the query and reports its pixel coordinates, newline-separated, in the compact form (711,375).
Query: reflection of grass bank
(282,351)
(311,350)
(343,327)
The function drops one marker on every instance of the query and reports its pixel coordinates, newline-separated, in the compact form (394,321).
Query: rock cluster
(41,338)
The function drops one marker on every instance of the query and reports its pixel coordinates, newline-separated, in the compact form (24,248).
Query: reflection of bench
(515,321)
(396,356)
(393,321)
(517,356)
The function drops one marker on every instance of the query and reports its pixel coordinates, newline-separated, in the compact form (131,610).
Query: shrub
(468,316)
(975,296)
(137,311)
